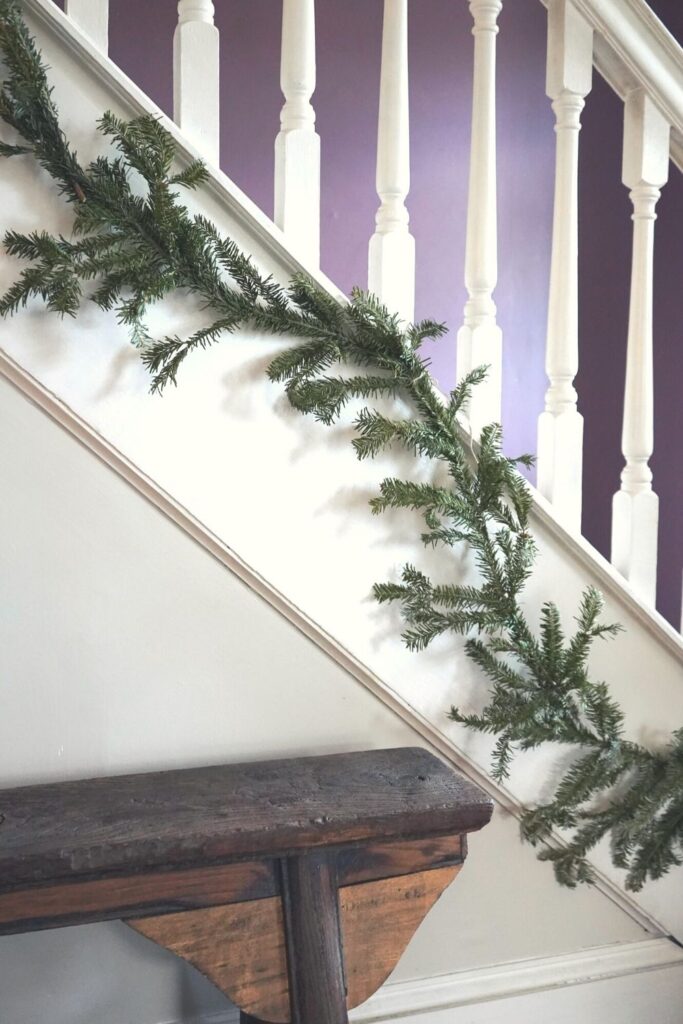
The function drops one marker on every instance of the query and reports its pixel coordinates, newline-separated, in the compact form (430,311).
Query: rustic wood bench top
(293,885)
(174,819)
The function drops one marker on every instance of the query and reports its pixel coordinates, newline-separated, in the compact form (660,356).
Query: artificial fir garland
(134,248)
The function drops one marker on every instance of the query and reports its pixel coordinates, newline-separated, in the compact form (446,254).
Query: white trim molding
(551,975)
(518,978)
(634,49)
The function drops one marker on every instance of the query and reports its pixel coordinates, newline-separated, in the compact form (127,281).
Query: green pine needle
(134,243)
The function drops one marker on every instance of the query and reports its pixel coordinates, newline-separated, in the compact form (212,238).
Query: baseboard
(518,978)
(551,975)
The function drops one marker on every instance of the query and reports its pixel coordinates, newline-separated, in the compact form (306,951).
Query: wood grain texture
(378,921)
(199,816)
(386,860)
(50,906)
(166,892)
(313,937)
(241,948)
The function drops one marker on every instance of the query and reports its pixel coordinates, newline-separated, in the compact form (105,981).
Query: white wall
(125,646)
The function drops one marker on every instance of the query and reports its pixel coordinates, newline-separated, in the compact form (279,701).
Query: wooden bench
(293,885)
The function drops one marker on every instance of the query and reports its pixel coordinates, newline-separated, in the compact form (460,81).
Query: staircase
(307,547)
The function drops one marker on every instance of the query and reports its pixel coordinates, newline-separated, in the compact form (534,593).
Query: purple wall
(441,69)
(349,39)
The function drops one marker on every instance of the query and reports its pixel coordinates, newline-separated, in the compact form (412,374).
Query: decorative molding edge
(521,977)
(500,981)
(633,48)
(610,579)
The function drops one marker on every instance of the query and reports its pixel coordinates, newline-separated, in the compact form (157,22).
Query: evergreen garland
(132,246)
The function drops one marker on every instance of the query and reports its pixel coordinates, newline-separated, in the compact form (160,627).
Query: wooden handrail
(634,49)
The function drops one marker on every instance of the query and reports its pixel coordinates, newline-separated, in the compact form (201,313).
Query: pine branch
(132,247)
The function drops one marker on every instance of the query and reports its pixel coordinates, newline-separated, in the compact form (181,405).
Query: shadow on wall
(349,35)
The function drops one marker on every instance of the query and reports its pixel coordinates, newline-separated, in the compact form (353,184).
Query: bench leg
(314,944)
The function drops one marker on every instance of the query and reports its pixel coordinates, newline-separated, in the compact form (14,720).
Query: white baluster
(480,338)
(196,76)
(635,509)
(560,426)
(297,146)
(92,16)
(391,258)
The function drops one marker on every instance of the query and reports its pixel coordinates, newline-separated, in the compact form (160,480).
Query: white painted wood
(232,202)
(222,190)
(635,49)
(507,981)
(560,426)
(480,339)
(92,17)
(391,259)
(196,77)
(628,999)
(635,508)
(46,15)
(297,145)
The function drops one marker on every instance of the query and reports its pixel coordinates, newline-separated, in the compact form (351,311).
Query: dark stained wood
(242,950)
(386,860)
(293,885)
(77,831)
(315,958)
(167,892)
(378,921)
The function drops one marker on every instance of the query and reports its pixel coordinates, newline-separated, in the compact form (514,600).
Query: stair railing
(297,146)
(92,17)
(480,340)
(196,76)
(639,59)
(391,255)
(560,426)
(581,32)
